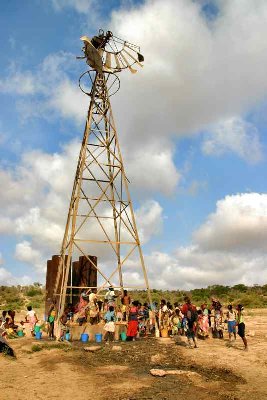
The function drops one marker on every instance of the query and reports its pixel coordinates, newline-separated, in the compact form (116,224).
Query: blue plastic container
(123,336)
(38,335)
(67,336)
(98,337)
(84,337)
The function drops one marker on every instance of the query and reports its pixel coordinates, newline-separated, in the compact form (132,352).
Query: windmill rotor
(112,82)
(108,53)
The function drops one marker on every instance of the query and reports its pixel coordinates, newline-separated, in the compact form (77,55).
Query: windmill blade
(108,61)
(100,51)
(133,71)
(132,57)
(85,39)
(119,67)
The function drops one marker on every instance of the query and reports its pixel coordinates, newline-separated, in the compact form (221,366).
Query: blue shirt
(109,315)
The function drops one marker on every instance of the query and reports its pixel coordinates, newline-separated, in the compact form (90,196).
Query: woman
(203,322)
(132,321)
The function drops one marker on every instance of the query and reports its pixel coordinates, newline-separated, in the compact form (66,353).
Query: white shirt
(92,297)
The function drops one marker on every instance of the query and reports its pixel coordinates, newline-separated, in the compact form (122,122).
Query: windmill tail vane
(108,53)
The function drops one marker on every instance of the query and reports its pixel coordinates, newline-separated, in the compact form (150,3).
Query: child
(3,319)
(175,322)
(109,329)
(21,328)
(141,321)
(63,323)
(231,321)
(51,321)
(8,326)
(125,301)
(119,314)
(109,314)
(31,317)
(241,325)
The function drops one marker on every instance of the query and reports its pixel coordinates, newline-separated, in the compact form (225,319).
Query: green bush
(34,292)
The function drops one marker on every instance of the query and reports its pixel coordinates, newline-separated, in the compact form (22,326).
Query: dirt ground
(66,371)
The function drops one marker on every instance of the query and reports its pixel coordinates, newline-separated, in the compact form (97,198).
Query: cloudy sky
(192,127)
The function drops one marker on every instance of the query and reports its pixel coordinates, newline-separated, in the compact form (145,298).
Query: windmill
(101,219)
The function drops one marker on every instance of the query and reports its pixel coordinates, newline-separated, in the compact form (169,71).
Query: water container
(123,336)
(37,328)
(38,335)
(20,333)
(164,333)
(67,336)
(98,337)
(84,337)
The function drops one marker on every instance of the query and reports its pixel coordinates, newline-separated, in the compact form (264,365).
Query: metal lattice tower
(101,219)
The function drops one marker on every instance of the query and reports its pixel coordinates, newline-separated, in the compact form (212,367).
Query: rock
(182,372)
(157,358)
(158,372)
(116,348)
(188,374)
(167,340)
(92,349)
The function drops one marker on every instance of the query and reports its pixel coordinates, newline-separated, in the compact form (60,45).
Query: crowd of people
(164,319)
(201,322)
(114,308)
(12,329)
(140,320)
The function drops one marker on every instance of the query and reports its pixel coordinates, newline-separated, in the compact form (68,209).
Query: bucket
(123,336)
(98,337)
(164,333)
(84,337)
(20,333)
(67,336)
(38,335)
(37,328)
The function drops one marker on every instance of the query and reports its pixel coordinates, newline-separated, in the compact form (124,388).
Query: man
(110,296)
(190,314)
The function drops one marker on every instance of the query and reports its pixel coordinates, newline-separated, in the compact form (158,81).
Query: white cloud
(21,83)
(149,220)
(239,223)
(36,200)
(234,135)
(5,276)
(152,169)
(195,73)
(49,87)
(229,248)
(25,253)
(7,279)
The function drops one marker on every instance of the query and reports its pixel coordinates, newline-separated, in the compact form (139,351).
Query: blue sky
(192,126)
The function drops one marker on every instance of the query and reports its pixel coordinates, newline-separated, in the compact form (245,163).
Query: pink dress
(32,319)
